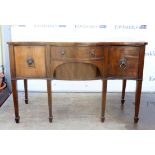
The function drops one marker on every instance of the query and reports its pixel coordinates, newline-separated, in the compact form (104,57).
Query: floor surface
(80,111)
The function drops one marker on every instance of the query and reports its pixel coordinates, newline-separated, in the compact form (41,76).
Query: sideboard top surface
(80,43)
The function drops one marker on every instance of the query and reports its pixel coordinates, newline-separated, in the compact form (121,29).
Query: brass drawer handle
(92,52)
(30,62)
(122,63)
(62,52)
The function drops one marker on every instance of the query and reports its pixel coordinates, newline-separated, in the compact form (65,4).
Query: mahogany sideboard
(77,61)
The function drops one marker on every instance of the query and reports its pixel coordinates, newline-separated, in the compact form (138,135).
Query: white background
(64,32)
(81,12)
(84,12)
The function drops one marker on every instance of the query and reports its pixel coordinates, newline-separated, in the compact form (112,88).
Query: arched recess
(77,70)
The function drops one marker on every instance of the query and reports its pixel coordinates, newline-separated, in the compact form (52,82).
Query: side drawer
(76,52)
(30,61)
(123,61)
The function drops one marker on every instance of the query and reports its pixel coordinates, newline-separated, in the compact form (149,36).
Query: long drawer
(76,52)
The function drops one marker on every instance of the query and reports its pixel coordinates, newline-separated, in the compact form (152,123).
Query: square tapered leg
(49,100)
(104,94)
(15,100)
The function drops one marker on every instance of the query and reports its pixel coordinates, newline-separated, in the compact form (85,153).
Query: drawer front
(76,52)
(123,61)
(30,61)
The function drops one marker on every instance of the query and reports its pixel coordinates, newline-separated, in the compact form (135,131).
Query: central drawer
(76,63)
(76,52)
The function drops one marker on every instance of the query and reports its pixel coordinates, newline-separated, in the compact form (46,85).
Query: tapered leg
(137,99)
(15,100)
(104,94)
(123,91)
(26,91)
(49,100)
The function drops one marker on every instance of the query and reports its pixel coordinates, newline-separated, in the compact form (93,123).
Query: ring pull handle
(30,62)
(92,52)
(122,63)
(62,52)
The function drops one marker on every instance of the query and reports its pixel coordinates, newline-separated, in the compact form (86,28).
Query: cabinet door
(30,61)
(123,62)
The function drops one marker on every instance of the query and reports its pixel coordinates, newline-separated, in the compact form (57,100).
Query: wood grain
(123,91)
(76,52)
(80,43)
(26,90)
(77,61)
(12,61)
(76,71)
(15,100)
(37,53)
(130,54)
(104,95)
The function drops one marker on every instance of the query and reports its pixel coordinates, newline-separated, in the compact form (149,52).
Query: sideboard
(77,61)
